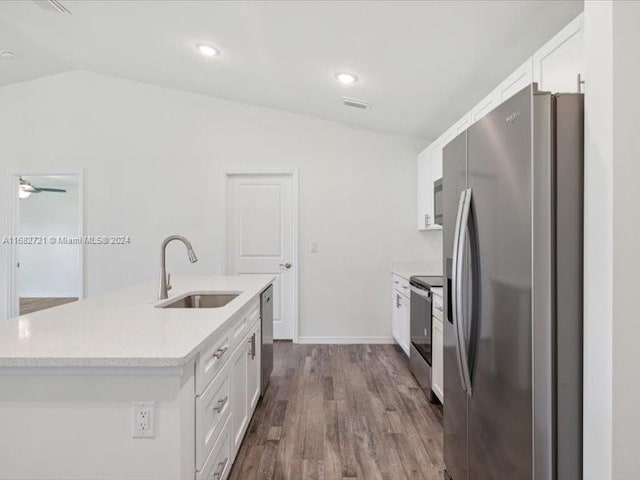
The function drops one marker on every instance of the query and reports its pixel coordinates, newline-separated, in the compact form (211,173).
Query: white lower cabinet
(239,393)
(212,412)
(437,347)
(404,323)
(437,374)
(225,408)
(400,311)
(395,315)
(254,368)
(220,458)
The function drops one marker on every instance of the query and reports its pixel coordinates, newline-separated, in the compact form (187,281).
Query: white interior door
(261,229)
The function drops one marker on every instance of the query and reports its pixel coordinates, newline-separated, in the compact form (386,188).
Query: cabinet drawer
(247,318)
(401,285)
(218,464)
(212,410)
(212,359)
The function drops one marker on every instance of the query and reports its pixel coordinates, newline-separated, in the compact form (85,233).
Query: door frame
(267,172)
(13,206)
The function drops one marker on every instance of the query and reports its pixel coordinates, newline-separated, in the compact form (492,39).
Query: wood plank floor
(342,412)
(35,304)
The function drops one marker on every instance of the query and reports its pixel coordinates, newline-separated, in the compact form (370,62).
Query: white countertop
(408,269)
(124,328)
(437,291)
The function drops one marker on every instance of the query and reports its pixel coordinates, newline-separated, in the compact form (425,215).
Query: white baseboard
(346,340)
(50,295)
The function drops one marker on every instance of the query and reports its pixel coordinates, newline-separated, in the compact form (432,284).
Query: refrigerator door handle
(455,286)
(461,298)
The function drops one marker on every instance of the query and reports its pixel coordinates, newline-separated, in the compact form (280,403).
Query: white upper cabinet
(430,170)
(515,82)
(487,104)
(425,190)
(556,66)
(511,85)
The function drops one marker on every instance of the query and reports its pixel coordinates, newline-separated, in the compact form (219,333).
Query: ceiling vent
(355,103)
(52,6)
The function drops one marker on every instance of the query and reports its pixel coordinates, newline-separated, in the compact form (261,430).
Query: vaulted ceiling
(420,64)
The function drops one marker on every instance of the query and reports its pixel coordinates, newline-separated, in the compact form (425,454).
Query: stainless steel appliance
(513,210)
(421,335)
(437,201)
(266,314)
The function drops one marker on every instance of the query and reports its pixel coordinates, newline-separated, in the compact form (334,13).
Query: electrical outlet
(313,247)
(143,421)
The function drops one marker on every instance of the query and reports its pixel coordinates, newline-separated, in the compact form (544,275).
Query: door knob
(285,265)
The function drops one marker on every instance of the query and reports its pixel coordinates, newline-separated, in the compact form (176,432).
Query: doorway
(261,237)
(46,251)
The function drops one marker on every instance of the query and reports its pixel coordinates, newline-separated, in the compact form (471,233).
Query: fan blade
(44,189)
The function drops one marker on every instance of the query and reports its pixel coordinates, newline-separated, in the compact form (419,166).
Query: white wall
(154,162)
(598,241)
(612,260)
(626,240)
(51,270)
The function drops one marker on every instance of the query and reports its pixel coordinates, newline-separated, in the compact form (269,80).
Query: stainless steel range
(422,330)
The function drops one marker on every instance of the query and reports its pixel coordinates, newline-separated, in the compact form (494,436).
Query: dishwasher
(266,316)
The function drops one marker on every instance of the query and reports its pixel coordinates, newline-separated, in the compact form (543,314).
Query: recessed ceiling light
(346,78)
(7,54)
(208,50)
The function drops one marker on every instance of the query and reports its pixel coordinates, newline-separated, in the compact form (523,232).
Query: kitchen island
(117,387)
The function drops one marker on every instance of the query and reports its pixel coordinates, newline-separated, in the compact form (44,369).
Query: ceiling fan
(26,188)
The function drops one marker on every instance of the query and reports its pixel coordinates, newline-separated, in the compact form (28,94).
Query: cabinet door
(515,82)
(254,368)
(483,107)
(238,393)
(405,328)
(434,172)
(395,316)
(437,360)
(434,168)
(459,127)
(425,188)
(557,65)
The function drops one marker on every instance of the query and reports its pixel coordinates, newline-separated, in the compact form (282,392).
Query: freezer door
(455,402)
(500,178)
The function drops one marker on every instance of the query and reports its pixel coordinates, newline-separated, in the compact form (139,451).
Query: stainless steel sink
(202,300)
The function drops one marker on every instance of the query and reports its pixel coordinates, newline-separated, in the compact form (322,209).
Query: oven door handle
(420,292)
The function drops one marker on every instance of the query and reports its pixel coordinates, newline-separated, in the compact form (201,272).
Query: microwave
(437,202)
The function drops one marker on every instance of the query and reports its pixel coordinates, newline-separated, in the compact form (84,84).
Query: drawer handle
(221,466)
(221,403)
(396,282)
(252,345)
(219,353)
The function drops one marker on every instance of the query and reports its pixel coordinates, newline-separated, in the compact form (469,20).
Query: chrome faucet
(165,280)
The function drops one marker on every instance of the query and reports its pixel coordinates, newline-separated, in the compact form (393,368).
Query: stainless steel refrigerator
(513,223)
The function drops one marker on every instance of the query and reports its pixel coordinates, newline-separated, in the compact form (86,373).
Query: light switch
(313,247)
